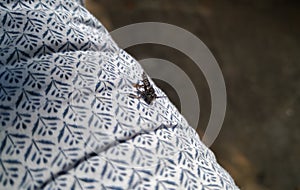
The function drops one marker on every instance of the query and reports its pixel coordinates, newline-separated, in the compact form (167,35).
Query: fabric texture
(67,120)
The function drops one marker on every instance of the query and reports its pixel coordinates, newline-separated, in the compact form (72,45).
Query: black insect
(145,90)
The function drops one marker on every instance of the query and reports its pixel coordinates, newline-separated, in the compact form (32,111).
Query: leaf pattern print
(67,120)
(39,151)
(71,134)
(45,126)
(32,178)
(65,157)
(13,20)
(29,100)
(35,80)
(12,144)
(27,41)
(10,172)
(21,120)
(11,75)
(4,115)
(52,106)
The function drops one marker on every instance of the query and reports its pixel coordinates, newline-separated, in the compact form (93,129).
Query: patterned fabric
(67,120)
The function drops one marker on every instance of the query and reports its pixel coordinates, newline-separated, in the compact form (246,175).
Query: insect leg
(138,85)
(134,96)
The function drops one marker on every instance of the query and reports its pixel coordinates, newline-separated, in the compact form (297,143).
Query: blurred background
(257,45)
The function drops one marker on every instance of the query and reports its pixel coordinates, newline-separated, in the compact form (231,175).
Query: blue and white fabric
(67,121)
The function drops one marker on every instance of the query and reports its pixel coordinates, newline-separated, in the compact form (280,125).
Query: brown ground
(257,45)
